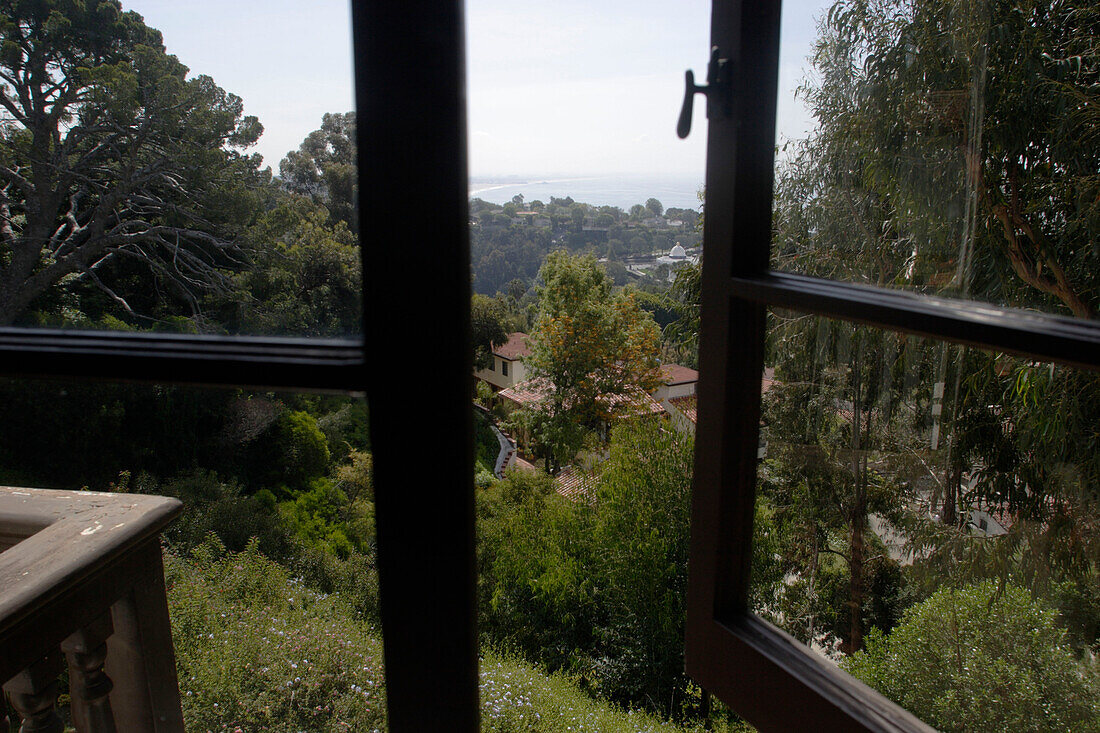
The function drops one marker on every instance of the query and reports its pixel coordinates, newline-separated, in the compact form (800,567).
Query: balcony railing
(82,584)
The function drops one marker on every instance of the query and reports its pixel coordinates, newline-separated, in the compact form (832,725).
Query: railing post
(33,693)
(89,685)
(141,660)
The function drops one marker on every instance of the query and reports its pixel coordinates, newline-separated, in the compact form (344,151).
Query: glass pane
(927,519)
(953,151)
(171,167)
(272,587)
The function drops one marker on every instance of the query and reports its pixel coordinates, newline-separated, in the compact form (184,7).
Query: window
(504,367)
(425,537)
(762,673)
(493,364)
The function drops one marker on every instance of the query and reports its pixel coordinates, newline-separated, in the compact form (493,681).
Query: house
(682,405)
(506,368)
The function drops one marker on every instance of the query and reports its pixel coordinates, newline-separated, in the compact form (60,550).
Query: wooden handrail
(77,569)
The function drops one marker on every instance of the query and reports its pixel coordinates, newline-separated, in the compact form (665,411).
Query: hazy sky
(568,87)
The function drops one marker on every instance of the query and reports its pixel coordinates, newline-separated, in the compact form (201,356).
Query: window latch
(718,91)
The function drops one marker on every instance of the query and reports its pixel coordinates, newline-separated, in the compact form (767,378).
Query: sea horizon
(624,191)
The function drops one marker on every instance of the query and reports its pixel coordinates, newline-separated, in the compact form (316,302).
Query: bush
(974,659)
(211,505)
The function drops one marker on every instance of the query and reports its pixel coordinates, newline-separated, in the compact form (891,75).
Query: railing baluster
(89,685)
(33,694)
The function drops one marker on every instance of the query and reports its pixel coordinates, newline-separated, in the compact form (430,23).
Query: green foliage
(596,589)
(516,697)
(345,424)
(324,168)
(216,507)
(640,551)
(486,328)
(86,87)
(975,659)
(322,516)
(291,452)
(258,650)
(486,445)
(589,346)
(483,394)
(74,434)
(305,278)
(535,588)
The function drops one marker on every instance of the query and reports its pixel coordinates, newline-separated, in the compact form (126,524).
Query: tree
(486,328)
(640,554)
(980,659)
(109,153)
(955,151)
(324,168)
(588,346)
(305,276)
(655,207)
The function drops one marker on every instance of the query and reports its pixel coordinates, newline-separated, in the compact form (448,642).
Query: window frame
(749,664)
(414,129)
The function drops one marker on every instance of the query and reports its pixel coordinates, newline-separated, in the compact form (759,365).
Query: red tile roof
(636,402)
(687,405)
(676,374)
(514,348)
(768,380)
(573,483)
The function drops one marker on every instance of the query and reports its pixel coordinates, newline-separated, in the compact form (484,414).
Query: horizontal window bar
(1041,336)
(331,365)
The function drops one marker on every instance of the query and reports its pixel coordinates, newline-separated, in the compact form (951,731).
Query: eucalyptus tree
(957,154)
(109,152)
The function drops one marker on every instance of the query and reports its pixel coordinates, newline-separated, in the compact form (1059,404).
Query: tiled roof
(636,402)
(676,374)
(514,348)
(686,405)
(573,483)
(768,380)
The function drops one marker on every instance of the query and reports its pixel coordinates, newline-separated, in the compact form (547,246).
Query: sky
(563,88)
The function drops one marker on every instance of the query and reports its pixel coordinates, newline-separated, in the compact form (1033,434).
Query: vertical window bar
(413,204)
(736,242)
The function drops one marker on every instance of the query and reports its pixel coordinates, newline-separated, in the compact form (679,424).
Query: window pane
(173,168)
(953,151)
(272,587)
(927,519)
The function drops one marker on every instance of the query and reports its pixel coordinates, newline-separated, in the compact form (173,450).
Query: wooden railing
(82,584)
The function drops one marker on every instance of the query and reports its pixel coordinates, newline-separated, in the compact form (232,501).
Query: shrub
(974,659)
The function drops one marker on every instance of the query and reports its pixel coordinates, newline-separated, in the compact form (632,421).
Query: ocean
(621,191)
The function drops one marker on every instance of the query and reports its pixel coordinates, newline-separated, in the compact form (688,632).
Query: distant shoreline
(622,191)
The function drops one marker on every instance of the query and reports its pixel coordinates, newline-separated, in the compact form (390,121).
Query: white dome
(677,253)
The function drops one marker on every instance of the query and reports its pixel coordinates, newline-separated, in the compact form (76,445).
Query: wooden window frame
(770,679)
(410,94)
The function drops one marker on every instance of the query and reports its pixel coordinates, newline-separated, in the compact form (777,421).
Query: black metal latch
(718,90)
